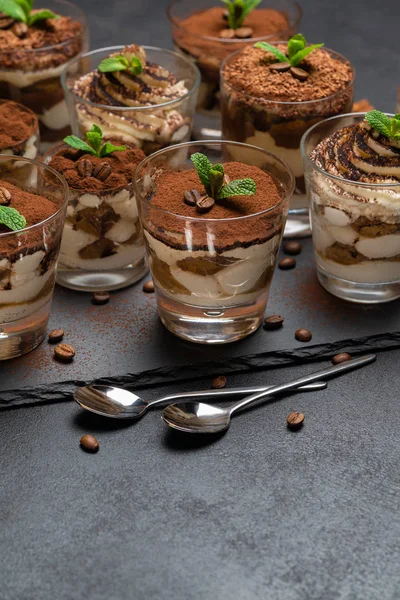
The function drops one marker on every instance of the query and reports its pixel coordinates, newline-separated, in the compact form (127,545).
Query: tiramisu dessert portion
(356,213)
(127,79)
(35,45)
(201,252)
(271,95)
(102,230)
(19,131)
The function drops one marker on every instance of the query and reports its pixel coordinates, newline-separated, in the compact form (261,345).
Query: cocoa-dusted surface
(17,124)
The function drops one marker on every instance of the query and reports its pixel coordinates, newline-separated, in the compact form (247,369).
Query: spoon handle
(285,387)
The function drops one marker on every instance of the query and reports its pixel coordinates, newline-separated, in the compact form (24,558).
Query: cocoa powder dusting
(17,124)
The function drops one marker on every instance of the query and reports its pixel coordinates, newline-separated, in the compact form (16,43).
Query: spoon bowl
(196,417)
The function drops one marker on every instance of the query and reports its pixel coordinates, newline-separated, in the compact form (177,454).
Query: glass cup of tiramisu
(212,227)
(34,50)
(31,222)
(139,95)
(208,32)
(352,170)
(267,102)
(19,131)
(102,245)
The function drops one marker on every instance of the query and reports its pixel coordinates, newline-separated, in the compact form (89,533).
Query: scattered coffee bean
(299,74)
(280,67)
(273,322)
(191,197)
(218,382)
(64,352)
(292,248)
(89,443)
(100,298)
(204,204)
(20,29)
(342,357)
(244,32)
(287,263)
(303,335)
(295,420)
(148,287)
(85,167)
(102,171)
(6,22)
(55,336)
(5,197)
(227,34)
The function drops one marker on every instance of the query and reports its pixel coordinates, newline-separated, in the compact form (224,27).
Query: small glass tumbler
(211,286)
(208,52)
(147,127)
(278,127)
(28,260)
(40,88)
(355,226)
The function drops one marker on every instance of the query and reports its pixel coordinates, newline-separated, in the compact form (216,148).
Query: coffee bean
(292,248)
(204,204)
(102,171)
(227,34)
(64,352)
(191,197)
(273,322)
(148,287)
(225,15)
(299,74)
(5,197)
(287,263)
(295,420)
(342,357)
(303,335)
(5,22)
(280,67)
(20,29)
(89,443)
(218,382)
(100,298)
(85,167)
(244,32)
(55,336)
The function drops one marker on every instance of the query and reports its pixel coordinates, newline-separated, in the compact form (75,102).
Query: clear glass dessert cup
(210,288)
(100,261)
(126,124)
(355,226)
(209,52)
(278,127)
(41,89)
(28,259)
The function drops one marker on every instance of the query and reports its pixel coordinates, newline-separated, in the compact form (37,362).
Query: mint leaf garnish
(11,218)
(301,55)
(116,63)
(41,16)
(216,179)
(238,11)
(13,9)
(94,145)
(136,66)
(239,187)
(295,44)
(269,48)
(379,121)
(297,49)
(202,166)
(109,148)
(79,144)
(21,10)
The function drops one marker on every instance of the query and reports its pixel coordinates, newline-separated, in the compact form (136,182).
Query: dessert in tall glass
(19,133)
(212,227)
(138,95)
(352,168)
(271,95)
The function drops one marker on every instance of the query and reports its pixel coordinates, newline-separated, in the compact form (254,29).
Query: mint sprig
(120,63)
(238,10)
(212,177)
(94,144)
(297,50)
(21,10)
(386,126)
(11,218)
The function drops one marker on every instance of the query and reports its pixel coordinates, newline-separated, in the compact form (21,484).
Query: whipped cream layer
(30,151)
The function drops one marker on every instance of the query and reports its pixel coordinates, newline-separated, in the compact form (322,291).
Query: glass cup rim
(234,42)
(63,185)
(308,160)
(296,102)
(27,109)
(208,143)
(110,49)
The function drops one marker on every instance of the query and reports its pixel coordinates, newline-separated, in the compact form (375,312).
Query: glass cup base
(101,281)
(210,325)
(361,293)
(21,336)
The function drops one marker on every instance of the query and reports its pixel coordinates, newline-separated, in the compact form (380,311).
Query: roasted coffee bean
(303,335)
(295,420)
(227,34)
(20,29)
(342,357)
(299,74)
(148,287)
(100,298)
(5,22)
(287,263)
(292,248)
(191,197)
(55,336)
(85,168)
(280,67)
(244,32)
(89,443)
(5,197)
(64,352)
(218,382)
(102,171)
(273,322)
(204,204)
